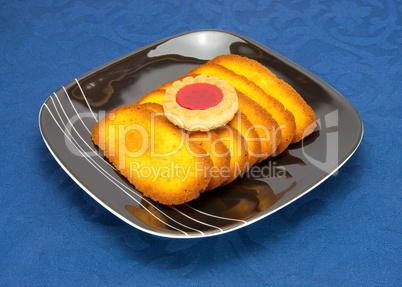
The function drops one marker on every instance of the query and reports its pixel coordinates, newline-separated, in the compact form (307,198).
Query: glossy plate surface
(69,114)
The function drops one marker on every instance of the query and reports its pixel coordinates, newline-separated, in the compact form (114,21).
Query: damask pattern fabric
(346,232)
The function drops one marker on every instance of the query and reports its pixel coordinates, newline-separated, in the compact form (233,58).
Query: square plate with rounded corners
(69,114)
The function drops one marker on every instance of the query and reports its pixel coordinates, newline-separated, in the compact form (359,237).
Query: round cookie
(200,103)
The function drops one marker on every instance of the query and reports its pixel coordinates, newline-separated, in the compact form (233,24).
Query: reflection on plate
(69,114)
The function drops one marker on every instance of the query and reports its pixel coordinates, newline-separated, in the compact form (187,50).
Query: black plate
(69,114)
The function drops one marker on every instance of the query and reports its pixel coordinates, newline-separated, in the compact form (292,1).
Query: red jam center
(199,96)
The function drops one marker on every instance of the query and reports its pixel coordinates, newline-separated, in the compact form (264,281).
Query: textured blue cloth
(346,232)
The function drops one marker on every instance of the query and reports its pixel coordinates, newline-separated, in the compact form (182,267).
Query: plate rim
(253,219)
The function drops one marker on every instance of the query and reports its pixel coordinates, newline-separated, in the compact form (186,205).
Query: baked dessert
(247,129)
(305,118)
(211,143)
(204,129)
(162,169)
(284,119)
(200,103)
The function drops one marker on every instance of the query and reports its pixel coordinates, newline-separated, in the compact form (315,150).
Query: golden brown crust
(154,107)
(283,117)
(168,84)
(212,145)
(217,151)
(264,125)
(239,135)
(241,123)
(155,96)
(304,115)
(163,168)
(236,144)
(271,116)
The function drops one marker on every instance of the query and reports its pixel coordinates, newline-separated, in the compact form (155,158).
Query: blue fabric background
(346,232)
